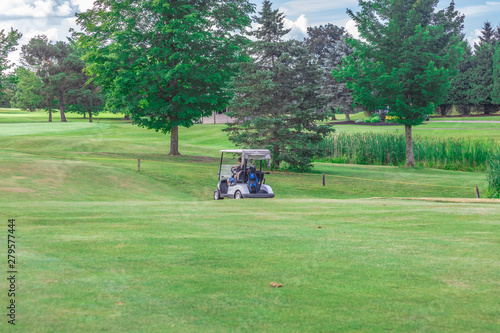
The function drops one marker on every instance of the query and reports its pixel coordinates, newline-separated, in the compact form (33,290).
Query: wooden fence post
(324,180)
(138,165)
(477,192)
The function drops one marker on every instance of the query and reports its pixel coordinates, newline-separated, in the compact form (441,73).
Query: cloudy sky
(55,17)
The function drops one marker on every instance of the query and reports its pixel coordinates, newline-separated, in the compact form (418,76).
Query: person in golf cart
(245,180)
(237,170)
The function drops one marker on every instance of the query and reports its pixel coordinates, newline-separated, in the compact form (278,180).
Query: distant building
(217,118)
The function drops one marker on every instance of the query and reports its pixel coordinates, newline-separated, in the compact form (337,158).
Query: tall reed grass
(494,177)
(390,149)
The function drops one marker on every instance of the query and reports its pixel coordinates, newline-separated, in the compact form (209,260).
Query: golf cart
(250,182)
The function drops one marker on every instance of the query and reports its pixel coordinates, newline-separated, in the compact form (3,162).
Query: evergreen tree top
(272,24)
(487,34)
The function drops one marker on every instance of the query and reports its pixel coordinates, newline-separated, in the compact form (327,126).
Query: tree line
(167,64)
(476,87)
(51,77)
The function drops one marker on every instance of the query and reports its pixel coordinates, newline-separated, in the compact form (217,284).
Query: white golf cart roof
(256,154)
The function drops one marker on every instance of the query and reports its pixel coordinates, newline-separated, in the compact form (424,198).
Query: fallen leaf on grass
(276,285)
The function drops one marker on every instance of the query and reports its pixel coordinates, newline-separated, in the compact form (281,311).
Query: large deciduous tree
(328,46)
(276,103)
(8,43)
(28,93)
(166,62)
(404,59)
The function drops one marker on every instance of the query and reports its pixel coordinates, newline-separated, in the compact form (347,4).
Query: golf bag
(253,181)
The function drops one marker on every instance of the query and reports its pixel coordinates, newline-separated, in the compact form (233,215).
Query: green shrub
(494,176)
(367,120)
(375,118)
(359,121)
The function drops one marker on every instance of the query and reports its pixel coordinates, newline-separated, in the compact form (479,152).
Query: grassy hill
(102,247)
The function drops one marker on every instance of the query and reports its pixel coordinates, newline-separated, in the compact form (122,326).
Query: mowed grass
(102,247)
(452,117)
(434,129)
(457,127)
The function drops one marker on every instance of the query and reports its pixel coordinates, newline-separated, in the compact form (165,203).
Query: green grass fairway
(101,247)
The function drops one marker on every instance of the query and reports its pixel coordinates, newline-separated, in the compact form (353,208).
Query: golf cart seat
(223,186)
(241,177)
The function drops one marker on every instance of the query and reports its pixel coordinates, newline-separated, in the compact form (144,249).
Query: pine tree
(487,34)
(83,96)
(482,71)
(328,46)
(496,75)
(460,85)
(497,33)
(459,89)
(276,101)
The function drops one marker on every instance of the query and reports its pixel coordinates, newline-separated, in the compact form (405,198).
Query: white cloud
(473,37)
(478,10)
(52,18)
(84,5)
(299,27)
(52,34)
(352,29)
(64,10)
(56,29)
(38,8)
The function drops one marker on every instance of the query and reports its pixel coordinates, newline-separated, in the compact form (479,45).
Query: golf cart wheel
(217,195)
(237,195)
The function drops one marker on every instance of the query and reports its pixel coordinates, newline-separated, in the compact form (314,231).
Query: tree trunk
(174,141)
(61,109)
(463,109)
(50,116)
(90,117)
(275,161)
(84,114)
(410,158)
(347,117)
(127,117)
(490,108)
(445,109)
